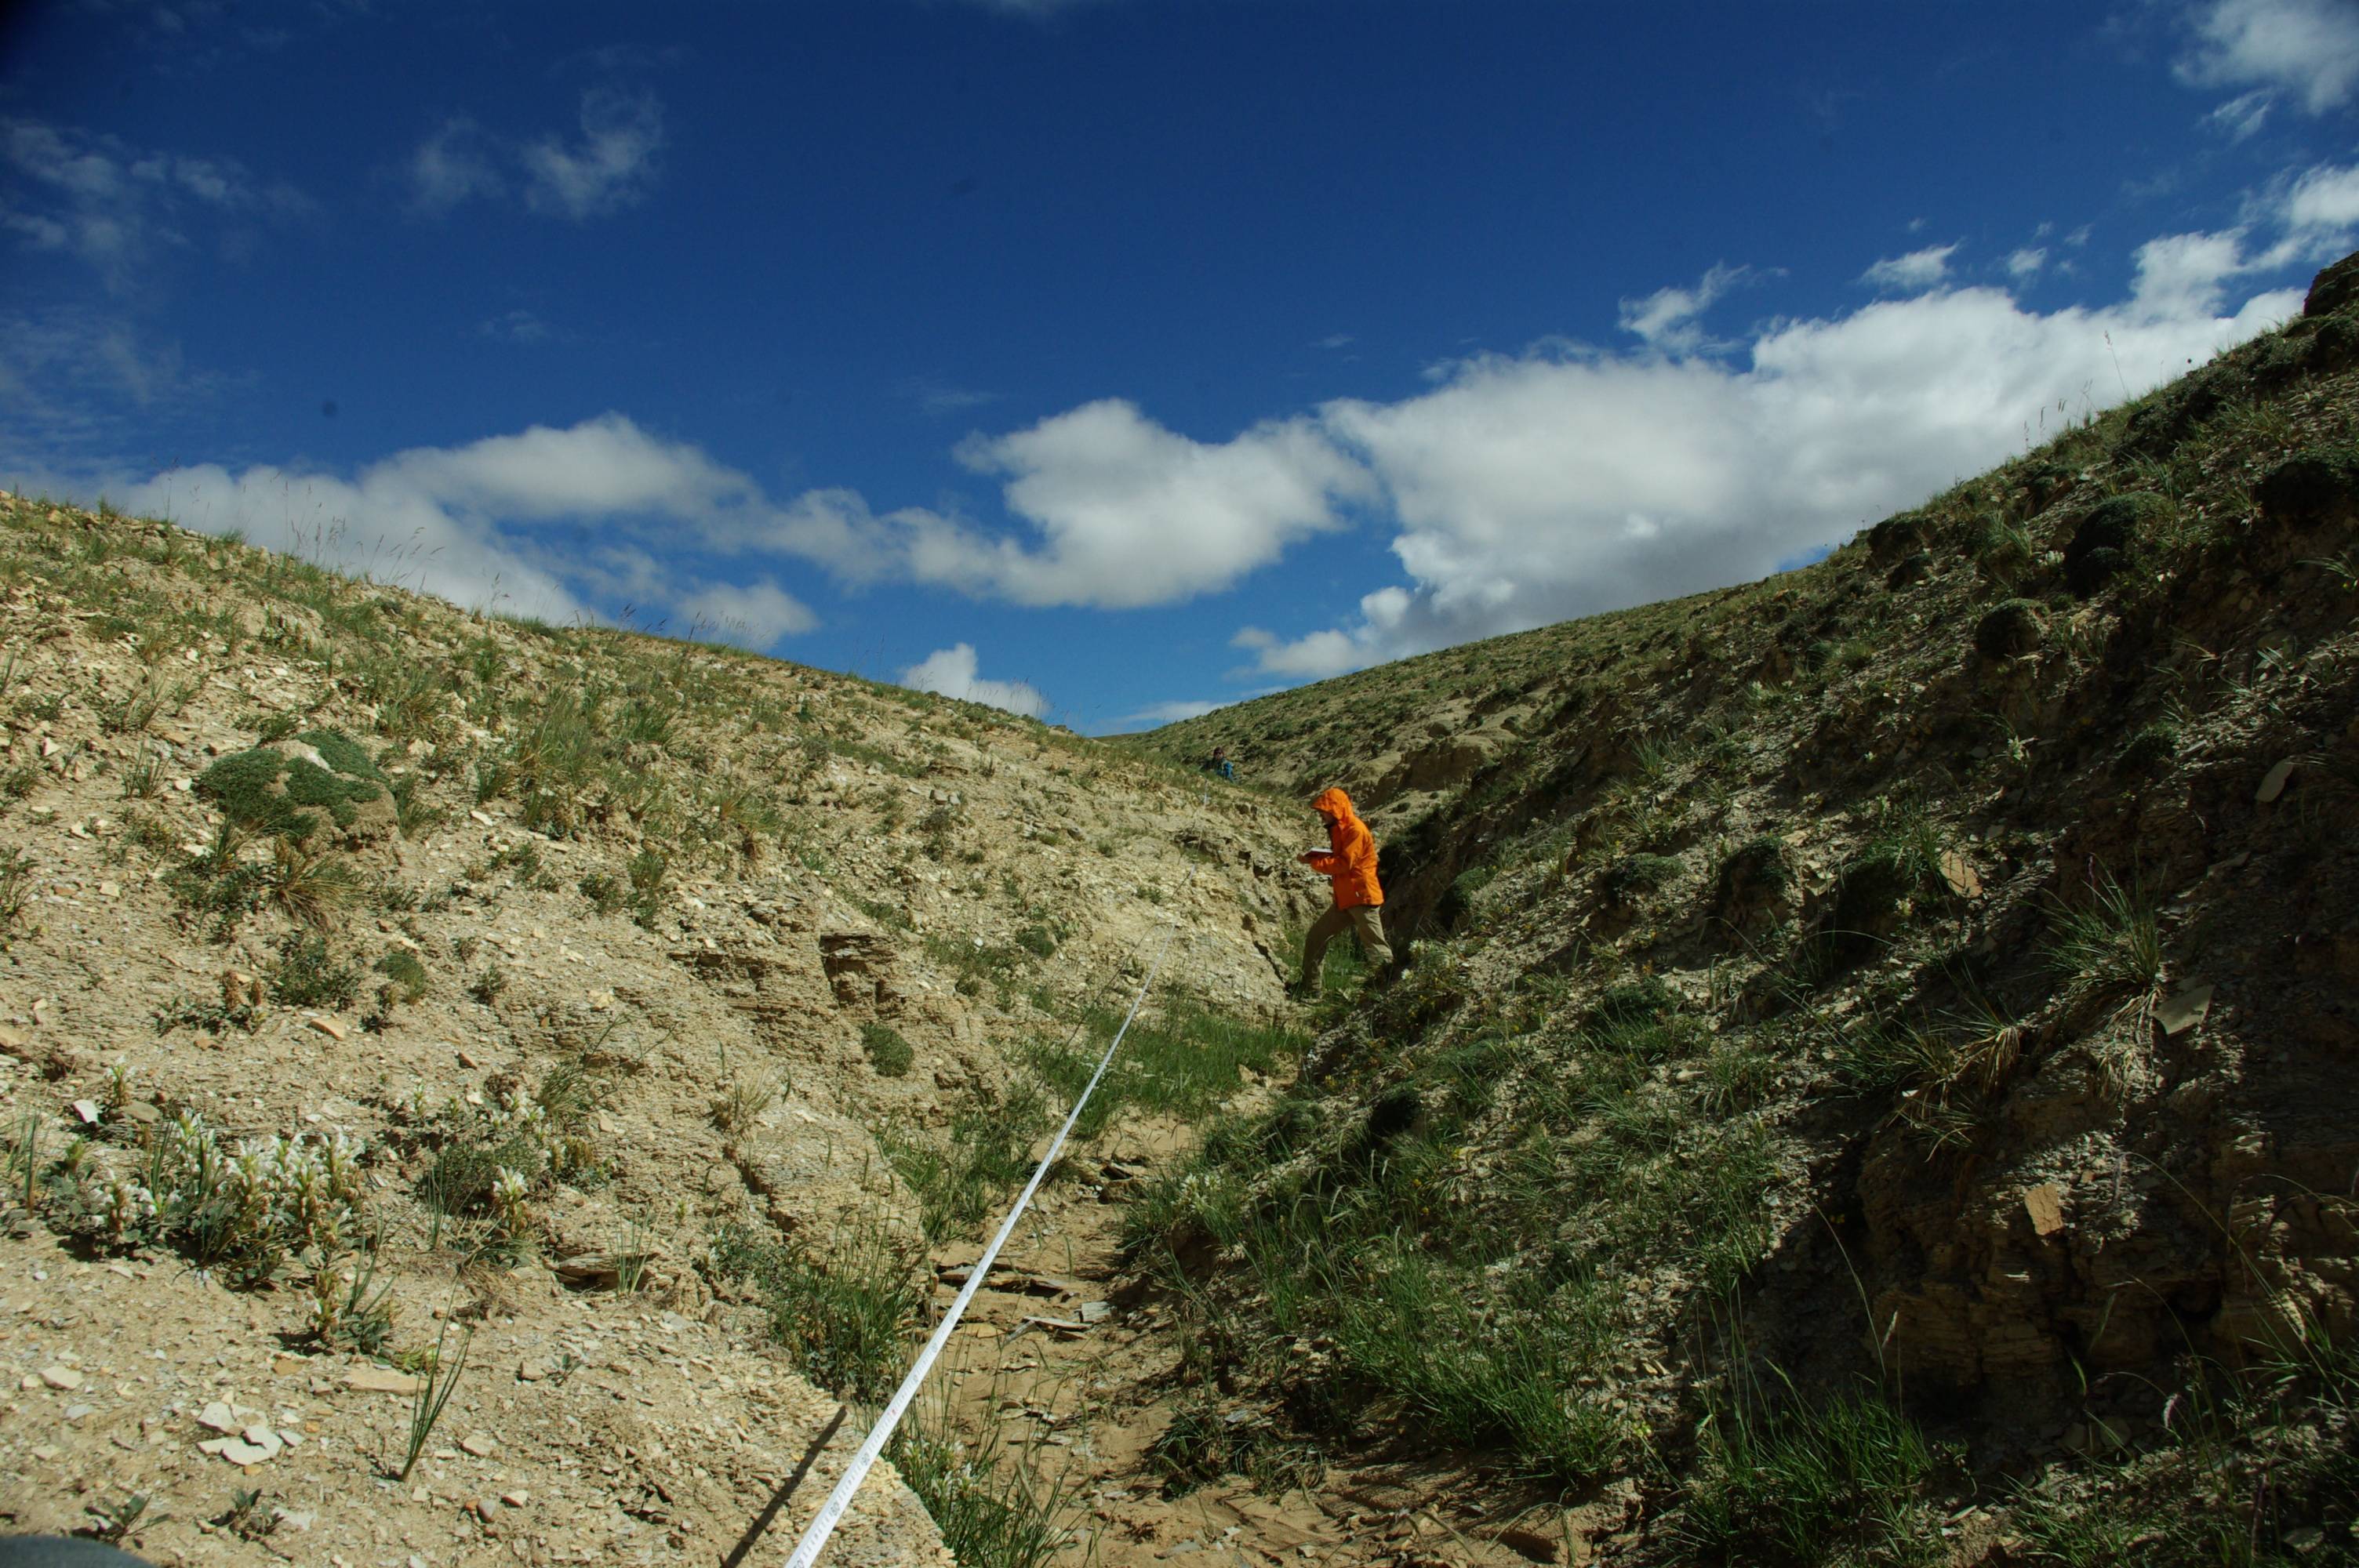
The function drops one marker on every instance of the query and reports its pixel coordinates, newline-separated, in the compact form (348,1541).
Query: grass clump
(992,1506)
(407,972)
(844,1314)
(308,973)
(986,1154)
(2111,942)
(1181,1062)
(888,1052)
(1637,875)
(1829,1485)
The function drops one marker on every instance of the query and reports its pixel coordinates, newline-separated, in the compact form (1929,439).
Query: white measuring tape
(831,1512)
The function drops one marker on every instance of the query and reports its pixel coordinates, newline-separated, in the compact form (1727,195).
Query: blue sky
(1108,358)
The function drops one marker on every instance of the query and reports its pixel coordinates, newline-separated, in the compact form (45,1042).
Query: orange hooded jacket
(1352,863)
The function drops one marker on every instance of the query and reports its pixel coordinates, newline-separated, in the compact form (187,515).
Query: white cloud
(2323,202)
(115,207)
(520,326)
(1666,318)
(2307,48)
(1546,485)
(376,523)
(1115,512)
(937,397)
(611,166)
(2242,116)
(450,167)
(1911,274)
(1132,513)
(614,165)
(951,671)
(2027,262)
(473,522)
(1171,712)
(756,615)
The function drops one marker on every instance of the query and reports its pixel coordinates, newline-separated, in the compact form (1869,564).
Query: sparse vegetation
(845,1315)
(888,1052)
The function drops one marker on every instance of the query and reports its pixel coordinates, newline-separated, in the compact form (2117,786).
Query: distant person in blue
(1218,762)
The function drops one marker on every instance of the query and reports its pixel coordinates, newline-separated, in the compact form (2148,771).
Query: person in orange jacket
(1350,864)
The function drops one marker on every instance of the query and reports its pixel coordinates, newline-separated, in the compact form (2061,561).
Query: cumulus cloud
(951,671)
(2309,48)
(2027,262)
(116,206)
(1131,513)
(1532,488)
(756,615)
(2321,205)
(544,522)
(1911,274)
(1667,319)
(1171,712)
(613,165)
(450,167)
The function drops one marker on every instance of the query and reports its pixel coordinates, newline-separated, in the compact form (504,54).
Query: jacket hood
(1334,803)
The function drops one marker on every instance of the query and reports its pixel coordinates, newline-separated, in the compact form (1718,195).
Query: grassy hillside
(1874,1082)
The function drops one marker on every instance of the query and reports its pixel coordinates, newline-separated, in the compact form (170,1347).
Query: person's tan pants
(1365,922)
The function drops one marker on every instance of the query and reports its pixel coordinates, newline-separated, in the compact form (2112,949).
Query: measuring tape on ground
(831,1512)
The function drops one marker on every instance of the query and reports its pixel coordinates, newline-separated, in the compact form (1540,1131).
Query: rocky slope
(381,978)
(1886,1025)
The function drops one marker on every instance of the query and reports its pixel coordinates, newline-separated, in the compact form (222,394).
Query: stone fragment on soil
(2273,783)
(2179,1013)
(64,1377)
(2045,1205)
(380,1380)
(476,1443)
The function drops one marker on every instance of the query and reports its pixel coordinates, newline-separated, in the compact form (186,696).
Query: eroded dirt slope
(586,946)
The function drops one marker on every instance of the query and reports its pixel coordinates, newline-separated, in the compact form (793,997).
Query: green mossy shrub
(2334,289)
(2111,537)
(266,791)
(1755,874)
(1909,569)
(2010,629)
(407,972)
(1873,894)
(2001,549)
(2044,482)
(1647,1000)
(2334,346)
(1896,538)
(1638,874)
(307,974)
(888,1052)
(2153,748)
(2317,486)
